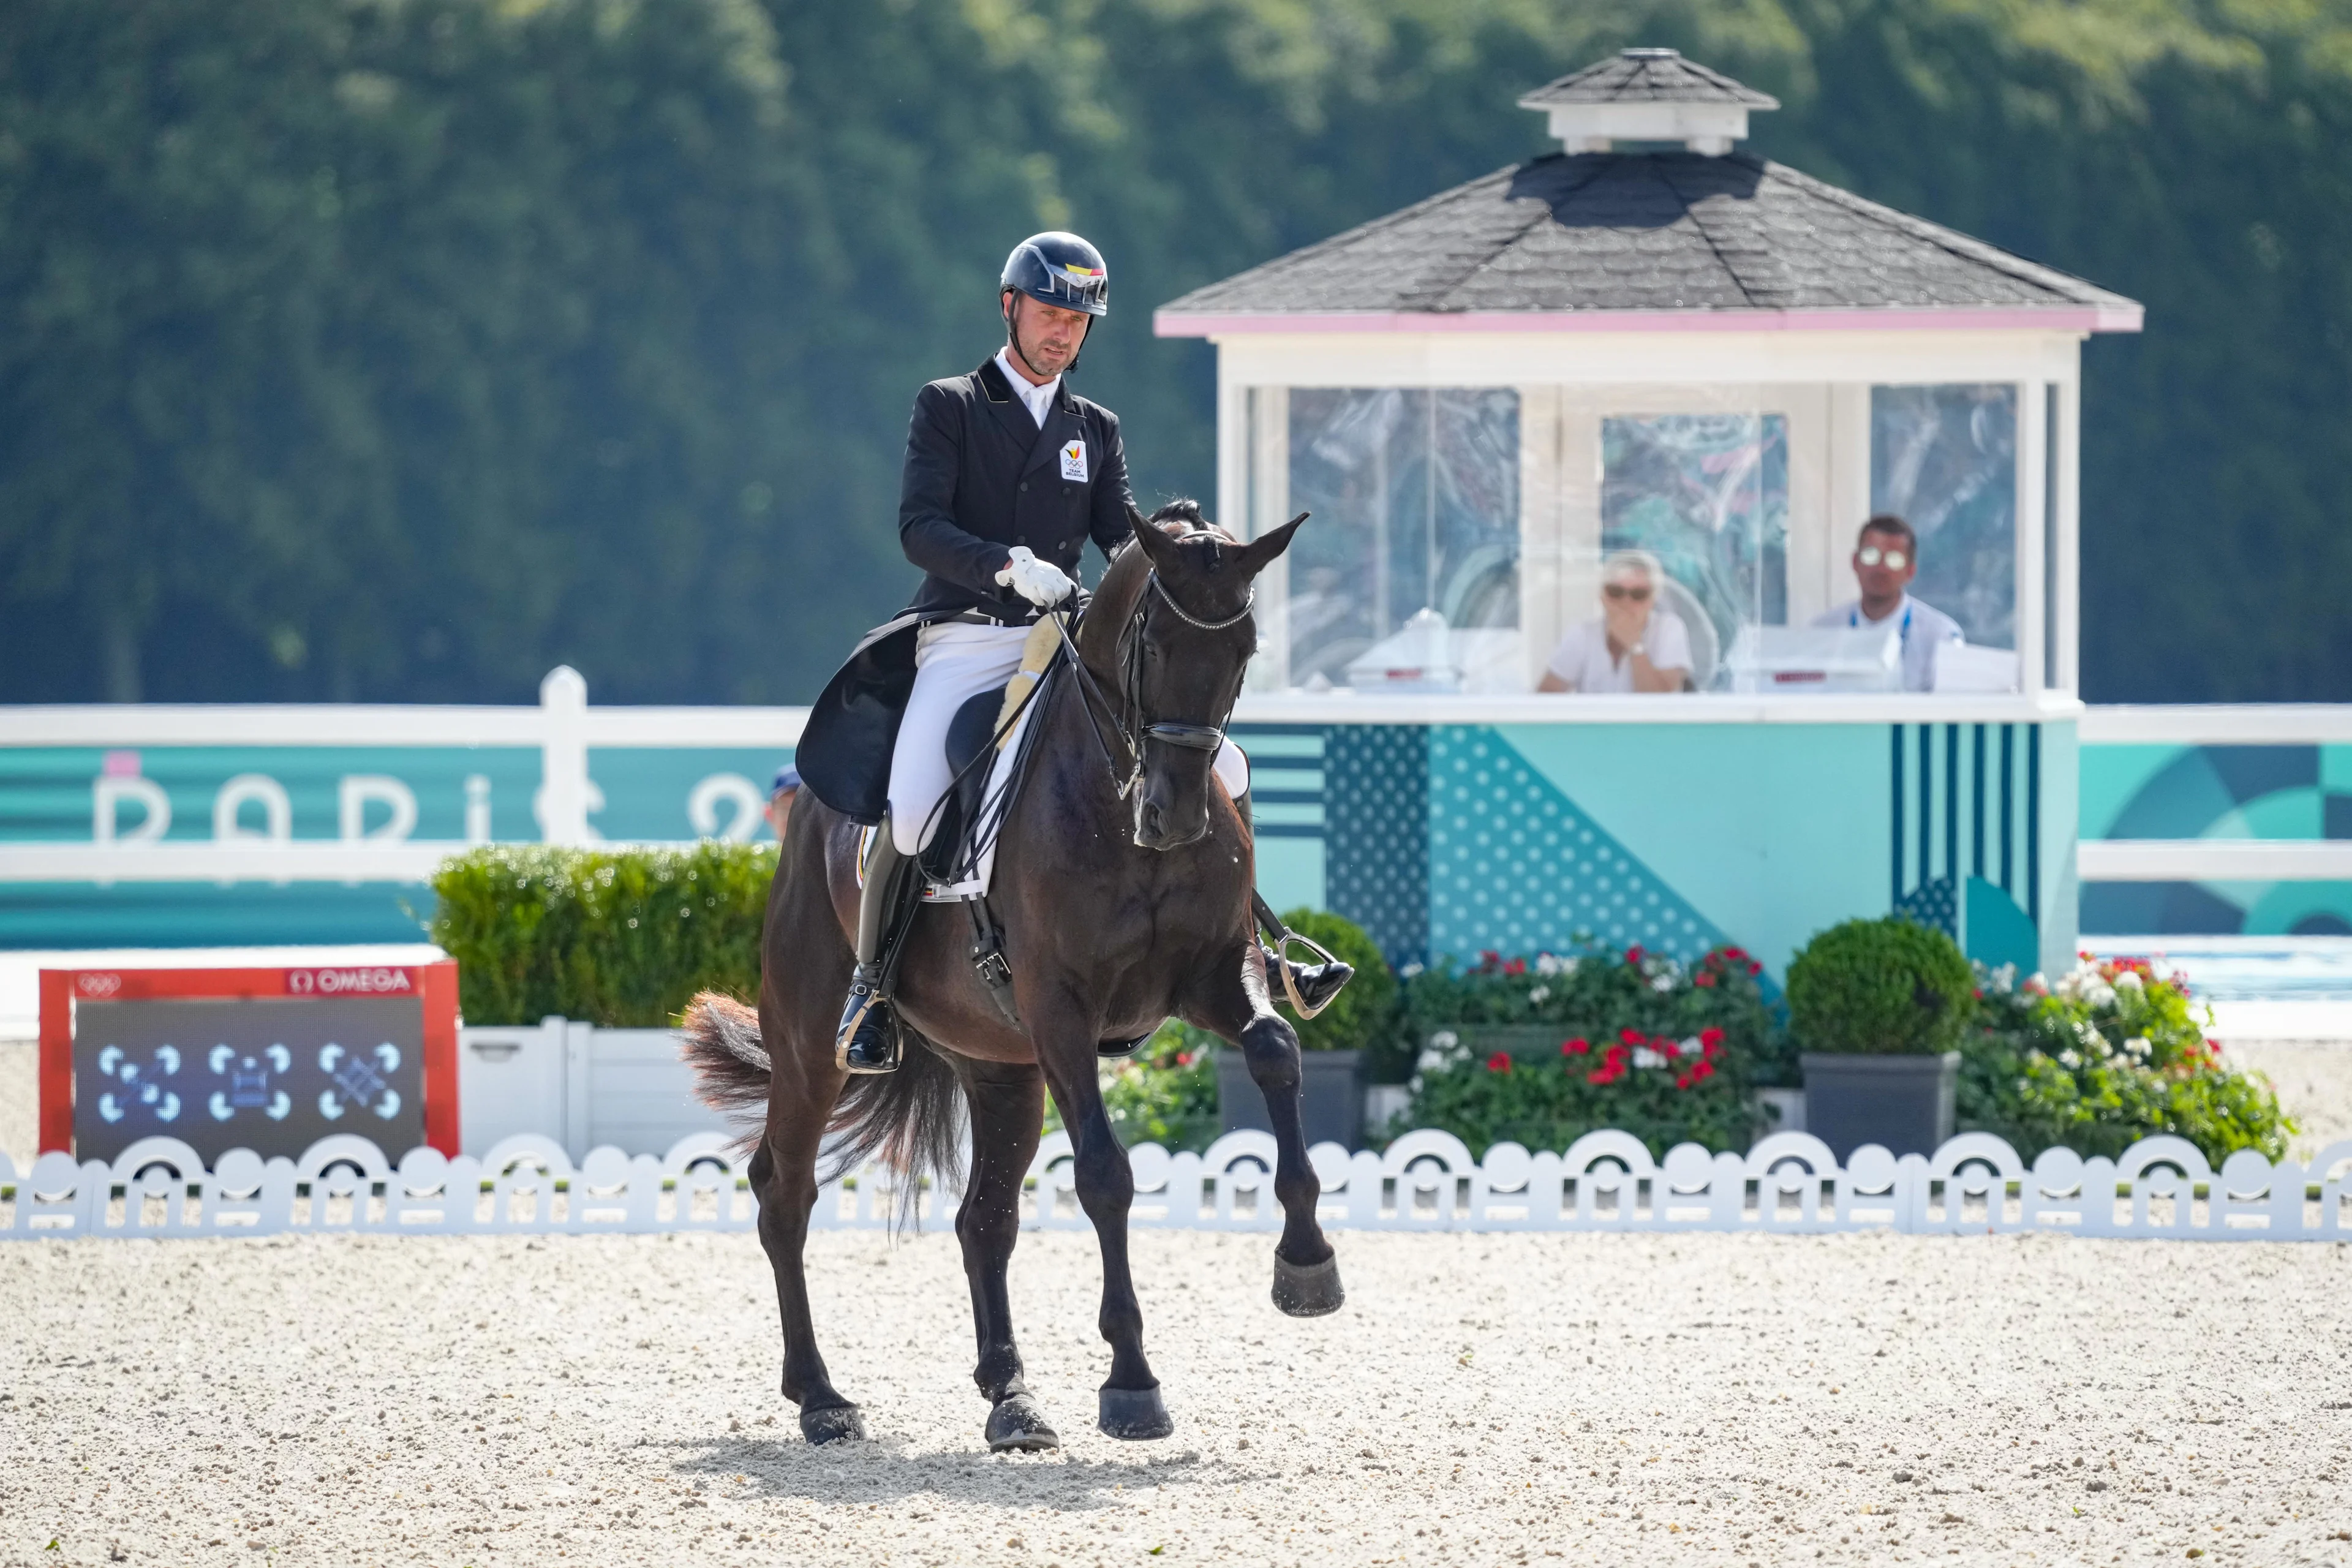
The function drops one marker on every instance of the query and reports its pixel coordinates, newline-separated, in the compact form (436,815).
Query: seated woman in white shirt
(1637,645)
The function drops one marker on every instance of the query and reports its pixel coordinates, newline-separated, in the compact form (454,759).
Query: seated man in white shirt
(1885,558)
(1636,645)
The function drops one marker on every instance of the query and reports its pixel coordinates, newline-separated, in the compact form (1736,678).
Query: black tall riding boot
(867,1040)
(1317,983)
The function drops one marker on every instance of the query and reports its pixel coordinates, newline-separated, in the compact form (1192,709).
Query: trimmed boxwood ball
(1361,1012)
(1888,986)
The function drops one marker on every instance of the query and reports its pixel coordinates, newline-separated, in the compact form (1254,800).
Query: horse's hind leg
(783,1179)
(1306,1271)
(1008,1106)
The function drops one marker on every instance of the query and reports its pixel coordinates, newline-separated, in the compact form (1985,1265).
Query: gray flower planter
(1905,1103)
(1331,1095)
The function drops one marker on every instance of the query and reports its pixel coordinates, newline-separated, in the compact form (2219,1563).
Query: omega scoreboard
(267,1060)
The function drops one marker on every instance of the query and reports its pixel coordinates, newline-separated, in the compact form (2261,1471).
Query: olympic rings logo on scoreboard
(97,985)
(349,983)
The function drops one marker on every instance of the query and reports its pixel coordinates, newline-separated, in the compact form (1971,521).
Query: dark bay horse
(1118,913)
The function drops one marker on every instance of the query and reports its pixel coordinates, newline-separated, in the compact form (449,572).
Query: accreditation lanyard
(1854,618)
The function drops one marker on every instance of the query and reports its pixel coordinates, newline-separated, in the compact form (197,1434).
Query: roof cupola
(1648,95)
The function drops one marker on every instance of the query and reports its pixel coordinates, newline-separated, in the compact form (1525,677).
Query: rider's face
(1048,336)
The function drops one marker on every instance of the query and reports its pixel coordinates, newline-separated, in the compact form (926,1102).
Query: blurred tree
(401,348)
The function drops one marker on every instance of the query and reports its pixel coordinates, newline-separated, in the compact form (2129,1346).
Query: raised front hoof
(833,1424)
(1134,1415)
(1309,1290)
(1016,1425)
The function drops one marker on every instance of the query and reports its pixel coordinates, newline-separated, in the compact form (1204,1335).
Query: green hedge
(620,937)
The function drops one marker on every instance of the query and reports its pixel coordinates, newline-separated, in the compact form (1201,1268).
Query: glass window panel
(1944,458)
(1416,500)
(1707,494)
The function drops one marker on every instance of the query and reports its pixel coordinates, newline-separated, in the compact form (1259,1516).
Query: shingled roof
(1642,231)
(1647,75)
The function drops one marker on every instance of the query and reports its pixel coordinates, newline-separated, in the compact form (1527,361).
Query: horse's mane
(1114,601)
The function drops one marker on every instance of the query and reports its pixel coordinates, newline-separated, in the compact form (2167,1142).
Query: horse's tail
(719,1038)
(910,1120)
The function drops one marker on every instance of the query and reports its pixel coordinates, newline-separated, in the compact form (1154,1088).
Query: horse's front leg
(1066,1037)
(1236,1006)
(1008,1108)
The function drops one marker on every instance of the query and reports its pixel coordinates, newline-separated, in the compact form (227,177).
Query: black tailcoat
(980,478)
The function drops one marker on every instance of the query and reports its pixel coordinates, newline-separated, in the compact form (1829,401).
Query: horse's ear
(1259,553)
(1154,539)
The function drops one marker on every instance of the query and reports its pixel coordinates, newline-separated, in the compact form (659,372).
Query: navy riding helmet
(1057,268)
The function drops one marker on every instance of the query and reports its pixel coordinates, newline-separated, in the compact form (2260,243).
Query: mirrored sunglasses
(1893,560)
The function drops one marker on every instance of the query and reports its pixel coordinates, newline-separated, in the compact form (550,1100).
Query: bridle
(1131,727)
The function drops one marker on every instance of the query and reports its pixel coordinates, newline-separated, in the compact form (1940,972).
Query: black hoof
(1312,1291)
(1016,1423)
(1134,1415)
(833,1424)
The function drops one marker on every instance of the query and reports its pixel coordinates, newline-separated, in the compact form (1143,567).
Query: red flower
(1633,955)
(1754,967)
(1703,978)
(1183,1059)
(1711,1038)
(1609,1073)
(1702,1071)
(1684,1081)
(1630,1036)
(1575,1048)
(1516,966)
(1667,1048)
(1499,1062)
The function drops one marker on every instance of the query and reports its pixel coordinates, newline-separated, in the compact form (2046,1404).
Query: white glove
(1041,583)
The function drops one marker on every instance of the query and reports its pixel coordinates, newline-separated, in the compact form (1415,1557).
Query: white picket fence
(1424,1180)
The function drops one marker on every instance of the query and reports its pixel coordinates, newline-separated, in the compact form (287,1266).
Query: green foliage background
(385,348)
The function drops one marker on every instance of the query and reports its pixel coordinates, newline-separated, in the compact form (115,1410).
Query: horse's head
(1190,639)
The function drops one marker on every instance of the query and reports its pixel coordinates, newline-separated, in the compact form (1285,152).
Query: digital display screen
(272,1075)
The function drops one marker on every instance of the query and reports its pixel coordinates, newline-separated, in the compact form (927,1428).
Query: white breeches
(955,662)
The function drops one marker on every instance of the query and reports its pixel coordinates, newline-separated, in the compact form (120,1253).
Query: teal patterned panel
(1516,867)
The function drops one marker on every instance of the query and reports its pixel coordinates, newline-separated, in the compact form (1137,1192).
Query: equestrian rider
(1008,474)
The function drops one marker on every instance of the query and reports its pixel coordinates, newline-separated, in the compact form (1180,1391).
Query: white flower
(1663,983)
(1431,1061)
(2130,980)
(2070,1059)
(2005,979)
(1410,970)
(1644,1056)
(1413,1083)
(1539,995)
(1444,1040)
(2137,1046)
(2100,996)
(1546,965)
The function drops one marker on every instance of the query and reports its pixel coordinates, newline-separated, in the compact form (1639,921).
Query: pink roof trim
(1907,318)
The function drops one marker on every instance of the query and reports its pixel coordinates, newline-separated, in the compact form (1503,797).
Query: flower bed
(1667,1051)
(2111,1054)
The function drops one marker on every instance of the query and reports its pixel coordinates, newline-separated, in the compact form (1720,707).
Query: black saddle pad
(968,734)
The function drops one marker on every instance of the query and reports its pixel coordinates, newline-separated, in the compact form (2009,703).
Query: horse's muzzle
(1156,828)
